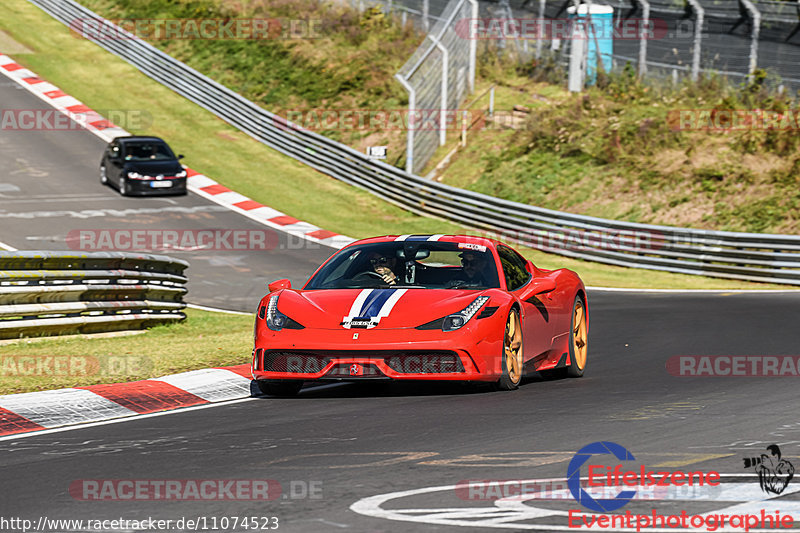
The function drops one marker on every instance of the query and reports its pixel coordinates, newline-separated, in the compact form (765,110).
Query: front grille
(425,363)
(402,361)
(298,362)
(353,370)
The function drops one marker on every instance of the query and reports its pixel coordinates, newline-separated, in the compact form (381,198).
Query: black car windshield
(148,151)
(418,264)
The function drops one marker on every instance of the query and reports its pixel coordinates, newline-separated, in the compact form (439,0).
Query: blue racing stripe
(372,305)
(419,237)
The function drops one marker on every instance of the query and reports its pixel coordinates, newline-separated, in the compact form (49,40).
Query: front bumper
(144,187)
(403,354)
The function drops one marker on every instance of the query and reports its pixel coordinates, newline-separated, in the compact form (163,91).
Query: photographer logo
(774,473)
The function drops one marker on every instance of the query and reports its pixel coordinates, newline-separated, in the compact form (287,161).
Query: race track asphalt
(346,442)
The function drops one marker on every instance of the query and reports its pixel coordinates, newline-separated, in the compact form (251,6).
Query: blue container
(599,36)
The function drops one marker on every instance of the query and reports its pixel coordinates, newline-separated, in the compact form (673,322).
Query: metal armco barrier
(52,293)
(745,256)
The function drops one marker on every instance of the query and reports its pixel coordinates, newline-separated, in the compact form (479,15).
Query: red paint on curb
(11,423)
(284,220)
(321,234)
(248,205)
(147,396)
(242,370)
(215,189)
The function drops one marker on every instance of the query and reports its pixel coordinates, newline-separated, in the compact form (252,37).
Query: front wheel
(512,353)
(103,175)
(280,388)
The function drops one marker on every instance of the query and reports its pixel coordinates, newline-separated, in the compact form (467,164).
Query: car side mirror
(180,156)
(282,284)
(544,285)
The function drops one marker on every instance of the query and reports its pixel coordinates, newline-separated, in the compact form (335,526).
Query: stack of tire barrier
(52,293)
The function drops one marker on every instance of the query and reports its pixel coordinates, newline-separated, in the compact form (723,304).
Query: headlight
(135,176)
(458,320)
(276,320)
(181,174)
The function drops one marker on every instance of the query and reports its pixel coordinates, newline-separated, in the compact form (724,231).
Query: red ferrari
(422,307)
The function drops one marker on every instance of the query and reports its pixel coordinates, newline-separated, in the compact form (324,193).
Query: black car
(142,166)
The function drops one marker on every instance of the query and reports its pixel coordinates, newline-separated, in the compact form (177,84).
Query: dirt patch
(9,46)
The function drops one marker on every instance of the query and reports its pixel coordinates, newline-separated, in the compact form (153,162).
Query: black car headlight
(276,320)
(460,319)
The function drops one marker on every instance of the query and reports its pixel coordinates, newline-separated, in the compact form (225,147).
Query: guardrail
(52,293)
(745,256)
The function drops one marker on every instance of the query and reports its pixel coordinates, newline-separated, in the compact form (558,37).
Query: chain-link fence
(669,39)
(687,37)
(438,76)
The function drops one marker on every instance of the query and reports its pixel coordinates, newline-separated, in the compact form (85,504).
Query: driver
(472,268)
(384,265)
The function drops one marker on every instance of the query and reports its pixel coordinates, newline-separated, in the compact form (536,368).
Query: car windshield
(417,264)
(148,151)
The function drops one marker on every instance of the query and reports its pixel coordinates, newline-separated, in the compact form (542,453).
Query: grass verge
(205,339)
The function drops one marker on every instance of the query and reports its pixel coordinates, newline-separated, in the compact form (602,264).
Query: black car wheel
(103,175)
(124,188)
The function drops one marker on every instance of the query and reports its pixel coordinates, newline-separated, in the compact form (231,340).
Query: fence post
(425,22)
(699,13)
(540,30)
(755,19)
(412,97)
(645,23)
(443,104)
(473,44)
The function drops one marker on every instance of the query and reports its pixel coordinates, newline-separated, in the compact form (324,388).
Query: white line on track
(7,247)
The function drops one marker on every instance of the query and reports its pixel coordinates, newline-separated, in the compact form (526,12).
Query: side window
(513,268)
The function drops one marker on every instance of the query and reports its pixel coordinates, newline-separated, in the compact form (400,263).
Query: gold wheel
(512,352)
(579,346)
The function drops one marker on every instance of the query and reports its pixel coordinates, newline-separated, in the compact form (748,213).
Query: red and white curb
(196,182)
(37,411)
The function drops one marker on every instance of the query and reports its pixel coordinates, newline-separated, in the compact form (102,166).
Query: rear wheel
(280,388)
(103,175)
(512,353)
(578,342)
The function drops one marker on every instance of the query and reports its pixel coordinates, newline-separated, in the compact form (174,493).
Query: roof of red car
(473,239)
